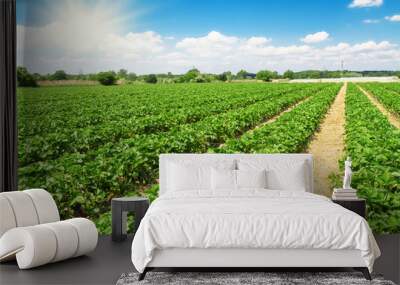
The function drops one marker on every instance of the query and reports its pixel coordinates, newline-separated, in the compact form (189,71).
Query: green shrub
(24,78)
(131,76)
(265,75)
(151,78)
(107,78)
(59,75)
(190,75)
(288,74)
(222,77)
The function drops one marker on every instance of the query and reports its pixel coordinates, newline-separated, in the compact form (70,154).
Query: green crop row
(390,99)
(374,146)
(84,183)
(290,132)
(392,86)
(68,139)
(86,107)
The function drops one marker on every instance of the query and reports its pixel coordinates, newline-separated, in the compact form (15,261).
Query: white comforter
(250,219)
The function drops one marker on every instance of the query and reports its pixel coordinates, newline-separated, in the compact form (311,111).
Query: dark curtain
(8,121)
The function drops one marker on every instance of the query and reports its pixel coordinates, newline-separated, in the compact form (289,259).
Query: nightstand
(357,206)
(119,209)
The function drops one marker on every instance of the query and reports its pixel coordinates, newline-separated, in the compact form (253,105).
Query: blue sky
(282,20)
(186,33)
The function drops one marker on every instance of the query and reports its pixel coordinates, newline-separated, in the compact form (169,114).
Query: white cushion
(23,208)
(7,218)
(193,175)
(87,235)
(251,179)
(188,177)
(226,179)
(45,205)
(281,175)
(67,240)
(32,246)
(223,179)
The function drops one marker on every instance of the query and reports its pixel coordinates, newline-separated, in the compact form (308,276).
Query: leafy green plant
(290,132)
(374,145)
(387,96)
(83,179)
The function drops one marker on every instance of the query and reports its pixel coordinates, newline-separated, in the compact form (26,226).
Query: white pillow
(251,178)
(281,174)
(227,179)
(223,179)
(193,174)
(188,177)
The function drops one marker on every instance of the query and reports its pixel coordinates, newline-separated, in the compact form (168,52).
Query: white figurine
(347,174)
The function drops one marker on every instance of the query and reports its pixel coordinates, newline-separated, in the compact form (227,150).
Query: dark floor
(111,259)
(103,266)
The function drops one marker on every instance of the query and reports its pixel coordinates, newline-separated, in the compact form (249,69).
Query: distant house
(250,76)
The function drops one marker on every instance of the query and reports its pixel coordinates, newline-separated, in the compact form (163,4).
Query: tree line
(27,79)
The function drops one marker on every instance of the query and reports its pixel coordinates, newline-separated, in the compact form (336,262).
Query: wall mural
(106,86)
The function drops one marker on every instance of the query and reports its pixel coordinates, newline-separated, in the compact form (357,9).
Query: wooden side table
(119,209)
(357,206)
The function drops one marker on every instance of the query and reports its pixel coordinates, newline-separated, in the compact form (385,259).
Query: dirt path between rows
(328,144)
(393,119)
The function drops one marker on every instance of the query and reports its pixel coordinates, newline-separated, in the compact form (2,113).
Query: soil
(328,144)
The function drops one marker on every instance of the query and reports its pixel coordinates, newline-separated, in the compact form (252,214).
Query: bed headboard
(164,158)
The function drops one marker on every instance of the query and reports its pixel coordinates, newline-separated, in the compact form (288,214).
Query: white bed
(250,227)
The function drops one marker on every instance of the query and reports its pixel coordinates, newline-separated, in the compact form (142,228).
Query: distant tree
(131,76)
(81,76)
(107,78)
(242,74)
(92,76)
(24,78)
(190,75)
(222,77)
(200,79)
(59,75)
(229,75)
(38,77)
(265,75)
(151,78)
(288,74)
(122,73)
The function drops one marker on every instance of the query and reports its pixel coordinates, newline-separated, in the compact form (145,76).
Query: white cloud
(88,39)
(394,18)
(132,45)
(254,55)
(315,38)
(371,21)
(75,31)
(257,41)
(365,3)
(211,45)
